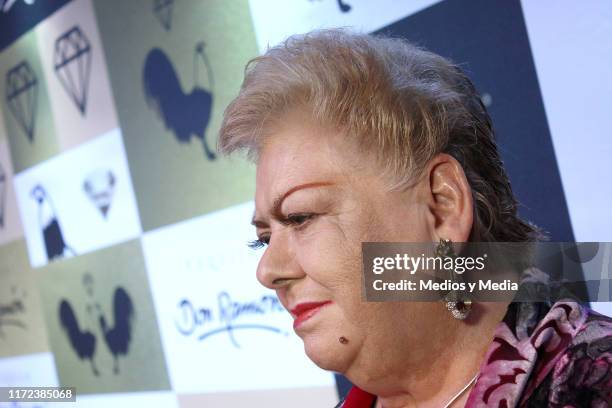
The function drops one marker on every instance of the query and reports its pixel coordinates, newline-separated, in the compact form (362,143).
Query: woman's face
(316,202)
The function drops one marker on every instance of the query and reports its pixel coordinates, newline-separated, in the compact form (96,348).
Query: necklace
(465,387)
(448,404)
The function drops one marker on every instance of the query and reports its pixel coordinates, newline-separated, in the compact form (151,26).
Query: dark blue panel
(18,17)
(489,40)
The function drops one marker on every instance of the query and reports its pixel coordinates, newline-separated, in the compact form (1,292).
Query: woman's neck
(453,364)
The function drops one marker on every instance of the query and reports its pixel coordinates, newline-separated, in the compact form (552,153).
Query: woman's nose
(278,266)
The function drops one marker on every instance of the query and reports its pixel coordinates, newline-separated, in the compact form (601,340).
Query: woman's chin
(327,354)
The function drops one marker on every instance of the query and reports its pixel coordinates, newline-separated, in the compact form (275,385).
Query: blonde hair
(395,100)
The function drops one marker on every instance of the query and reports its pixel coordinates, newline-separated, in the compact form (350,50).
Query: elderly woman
(359,138)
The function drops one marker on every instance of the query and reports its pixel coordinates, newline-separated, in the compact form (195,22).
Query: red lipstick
(305,311)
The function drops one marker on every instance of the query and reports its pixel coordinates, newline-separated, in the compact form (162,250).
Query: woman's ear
(449,199)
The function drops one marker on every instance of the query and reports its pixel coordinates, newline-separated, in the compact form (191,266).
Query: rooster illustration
(82,341)
(55,245)
(118,338)
(185,114)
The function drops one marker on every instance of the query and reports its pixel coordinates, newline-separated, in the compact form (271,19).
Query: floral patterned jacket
(541,356)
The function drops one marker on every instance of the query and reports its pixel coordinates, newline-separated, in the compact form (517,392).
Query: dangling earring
(458,304)
(460,309)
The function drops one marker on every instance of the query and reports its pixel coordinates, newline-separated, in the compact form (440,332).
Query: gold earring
(458,304)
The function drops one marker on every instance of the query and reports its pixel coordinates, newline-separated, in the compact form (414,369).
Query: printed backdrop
(123,265)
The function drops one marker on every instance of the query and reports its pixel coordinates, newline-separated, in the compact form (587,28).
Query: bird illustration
(118,338)
(185,114)
(55,245)
(83,342)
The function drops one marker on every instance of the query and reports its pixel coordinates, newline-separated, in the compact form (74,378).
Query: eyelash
(296,220)
(258,243)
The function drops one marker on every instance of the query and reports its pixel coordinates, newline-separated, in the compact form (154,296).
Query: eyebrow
(278,201)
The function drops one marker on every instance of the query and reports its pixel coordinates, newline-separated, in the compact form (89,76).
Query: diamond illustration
(2,195)
(72,64)
(163,11)
(99,186)
(22,96)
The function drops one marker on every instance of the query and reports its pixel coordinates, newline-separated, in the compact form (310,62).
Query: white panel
(84,224)
(128,400)
(30,370)
(275,20)
(604,308)
(206,262)
(572,48)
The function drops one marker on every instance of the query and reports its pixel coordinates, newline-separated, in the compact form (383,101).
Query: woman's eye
(299,219)
(259,242)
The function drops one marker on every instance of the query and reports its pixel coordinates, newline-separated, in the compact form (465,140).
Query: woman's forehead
(295,156)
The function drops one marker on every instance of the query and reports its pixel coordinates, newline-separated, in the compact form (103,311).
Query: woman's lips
(305,311)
